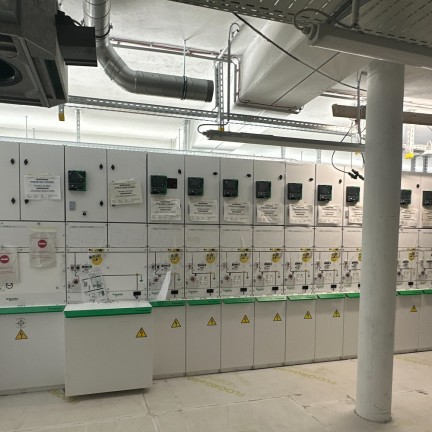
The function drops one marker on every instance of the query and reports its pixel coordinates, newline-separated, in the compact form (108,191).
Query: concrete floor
(312,398)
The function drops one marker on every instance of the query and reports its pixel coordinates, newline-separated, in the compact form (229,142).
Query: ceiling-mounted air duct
(97,14)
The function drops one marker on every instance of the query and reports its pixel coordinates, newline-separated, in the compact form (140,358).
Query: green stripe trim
(237,300)
(331,296)
(107,312)
(204,302)
(427,291)
(353,295)
(31,309)
(410,292)
(168,303)
(270,299)
(301,297)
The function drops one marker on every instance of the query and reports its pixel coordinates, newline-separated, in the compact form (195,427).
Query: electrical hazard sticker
(211,322)
(176,324)
(413,309)
(336,314)
(308,315)
(21,335)
(245,320)
(141,333)
(277,318)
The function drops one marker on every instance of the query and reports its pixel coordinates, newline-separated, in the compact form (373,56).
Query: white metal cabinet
(124,166)
(169,343)
(407,321)
(32,347)
(88,205)
(409,211)
(351,325)
(329,326)
(237,342)
(203,336)
(236,206)
(202,190)
(122,358)
(425,202)
(353,199)
(40,161)
(269,320)
(425,324)
(300,328)
(9,179)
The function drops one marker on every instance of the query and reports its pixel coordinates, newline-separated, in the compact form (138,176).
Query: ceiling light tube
(272,140)
(365,45)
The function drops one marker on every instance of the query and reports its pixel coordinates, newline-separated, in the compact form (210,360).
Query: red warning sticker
(42,243)
(4,259)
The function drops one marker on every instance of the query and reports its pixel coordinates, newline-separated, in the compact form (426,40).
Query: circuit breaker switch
(405,198)
(158,185)
(230,188)
(324,193)
(352,194)
(295,191)
(263,189)
(195,186)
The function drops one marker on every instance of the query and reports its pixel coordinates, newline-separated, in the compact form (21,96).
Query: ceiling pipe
(97,14)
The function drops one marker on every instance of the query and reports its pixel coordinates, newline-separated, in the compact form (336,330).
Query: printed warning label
(336,314)
(237,211)
(125,192)
(308,315)
(355,215)
(141,333)
(165,209)
(329,214)
(277,318)
(212,322)
(413,309)
(245,320)
(43,187)
(176,324)
(270,213)
(203,211)
(300,213)
(21,335)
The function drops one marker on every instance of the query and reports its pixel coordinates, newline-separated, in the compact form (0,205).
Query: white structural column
(385,86)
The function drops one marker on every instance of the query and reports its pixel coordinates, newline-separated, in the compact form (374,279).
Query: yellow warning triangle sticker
(413,309)
(245,320)
(176,324)
(277,318)
(21,335)
(336,314)
(141,333)
(308,315)
(211,322)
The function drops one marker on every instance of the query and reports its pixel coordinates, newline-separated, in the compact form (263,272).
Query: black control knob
(215,173)
(13,200)
(179,171)
(248,175)
(26,201)
(12,161)
(101,203)
(113,167)
(101,166)
(26,161)
(84,213)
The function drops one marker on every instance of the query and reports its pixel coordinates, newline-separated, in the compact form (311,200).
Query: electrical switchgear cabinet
(351,323)
(407,320)
(425,324)
(353,200)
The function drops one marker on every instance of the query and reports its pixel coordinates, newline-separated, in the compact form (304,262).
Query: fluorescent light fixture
(366,45)
(272,140)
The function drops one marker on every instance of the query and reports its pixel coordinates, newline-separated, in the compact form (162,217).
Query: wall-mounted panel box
(166,260)
(327,264)
(122,358)
(353,200)
(167,190)
(32,341)
(299,252)
(424,272)
(100,275)
(169,338)
(407,259)
(89,205)
(351,258)
(203,336)
(237,338)
(269,193)
(329,196)
(268,260)
(236,202)
(9,175)
(300,329)
(269,320)
(407,320)
(236,261)
(351,323)
(202,190)
(127,186)
(202,261)
(42,182)
(410,200)
(329,326)
(300,203)
(425,217)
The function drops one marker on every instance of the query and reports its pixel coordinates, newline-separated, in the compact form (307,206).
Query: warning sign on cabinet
(330,214)
(301,214)
(8,266)
(270,213)
(21,335)
(141,333)
(427,218)
(238,211)
(408,217)
(203,211)
(125,192)
(355,215)
(165,209)
(42,187)
(42,249)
